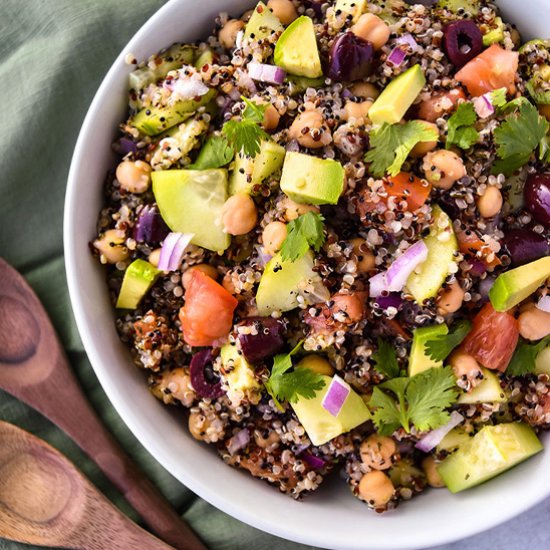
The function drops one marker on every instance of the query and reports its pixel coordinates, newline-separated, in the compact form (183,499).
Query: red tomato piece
(408,187)
(492,69)
(493,338)
(208,311)
(470,244)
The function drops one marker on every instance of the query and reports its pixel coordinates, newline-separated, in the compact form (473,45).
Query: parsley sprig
(441,346)
(420,401)
(385,360)
(302,233)
(283,385)
(525,355)
(461,129)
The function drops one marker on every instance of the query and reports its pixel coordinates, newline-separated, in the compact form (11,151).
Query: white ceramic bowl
(330,518)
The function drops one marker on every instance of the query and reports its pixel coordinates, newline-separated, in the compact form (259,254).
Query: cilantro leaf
(302,233)
(253,112)
(420,400)
(523,360)
(391,144)
(518,137)
(385,360)
(440,347)
(498,97)
(215,153)
(461,130)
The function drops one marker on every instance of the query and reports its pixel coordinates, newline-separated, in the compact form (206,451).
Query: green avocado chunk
(262,23)
(487,391)
(191,201)
(419,360)
(320,425)
(311,180)
(493,450)
(513,286)
(139,277)
(397,97)
(296,50)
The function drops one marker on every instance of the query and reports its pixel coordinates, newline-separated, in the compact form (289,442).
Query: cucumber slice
(488,391)
(453,440)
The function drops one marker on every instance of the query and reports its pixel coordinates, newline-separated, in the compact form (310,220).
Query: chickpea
(443,168)
(273,236)
(269,442)
(294,210)
(429,465)
(271,118)
(228,33)
(309,130)
(437,105)
(198,424)
(351,305)
(208,270)
(365,90)
(365,258)
(376,488)
(175,384)
(464,365)
(112,247)
(356,111)
(317,364)
(370,27)
(490,203)
(516,37)
(451,299)
(284,10)
(228,284)
(377,451)
(239,214)
(424,147)
(134,176)
(534,324)
(154,257)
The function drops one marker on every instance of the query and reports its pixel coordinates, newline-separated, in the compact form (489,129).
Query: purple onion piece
(525,246)
(351,58)
(478,268)
(150,227)
(203,379)
(462,41)
(391,300)
(312,460)
(239,441)
(125,146)
(485,286)
(267,340)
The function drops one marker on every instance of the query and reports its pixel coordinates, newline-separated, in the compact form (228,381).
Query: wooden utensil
(33,368)
(45,500)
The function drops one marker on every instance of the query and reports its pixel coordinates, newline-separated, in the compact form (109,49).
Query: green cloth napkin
(53,56)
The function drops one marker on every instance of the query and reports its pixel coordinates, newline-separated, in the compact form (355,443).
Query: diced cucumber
(488,391)
(454,439)
(262,23)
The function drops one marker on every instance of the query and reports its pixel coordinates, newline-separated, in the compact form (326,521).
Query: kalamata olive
(203,378)
(351,58)
(315,5)
(524,246)
(264,340)
(462,41)
(150,226)
(537,197)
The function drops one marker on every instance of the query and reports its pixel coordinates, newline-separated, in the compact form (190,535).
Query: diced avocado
(355,8)
(139,277)
(405,474)
(191,201)
(467,6)
(496,34)
(542,362)
(311,180)
(487,391)
(206,57)
(240,376)
(282,283)
(493,450)
(299,84)
(453,440)
(296,50)
(513,286)
(155,120)
(398,96)
(320,425)
(262,23)
(419,360)
(425,281)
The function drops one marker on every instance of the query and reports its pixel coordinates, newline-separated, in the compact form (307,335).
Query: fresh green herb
(215,153)
(498,97)
(440,347)
(385,360)
(461,127)
(391,144)
(287,386)
(246,134)
(523,360)
(302,233)
(518,137)
(420,400)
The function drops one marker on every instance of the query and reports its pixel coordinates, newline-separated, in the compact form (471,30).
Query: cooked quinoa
(336,316)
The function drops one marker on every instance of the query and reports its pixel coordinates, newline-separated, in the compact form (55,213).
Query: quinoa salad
(327,242)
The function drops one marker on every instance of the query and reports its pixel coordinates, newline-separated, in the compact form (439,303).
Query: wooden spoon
(33,368)
(45,500)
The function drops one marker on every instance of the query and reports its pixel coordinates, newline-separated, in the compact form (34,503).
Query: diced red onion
(188,88)
(408,40)
(266,73)
(172,250)
(263,258)
(293,146)
(485,286)
(483,105)
(544,303)
(239,441)
(149,226)
(391,300)
(315,462)
(336,395)
(433,439)
(245,82)
(397,56)
(395,278)
(347,94)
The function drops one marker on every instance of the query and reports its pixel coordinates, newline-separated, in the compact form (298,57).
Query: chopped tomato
(207,314)
(439,104)
(469,243)
(407,187)
(492,69)
(493,338)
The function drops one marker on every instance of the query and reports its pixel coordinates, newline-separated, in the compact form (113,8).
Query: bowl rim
(199,485)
